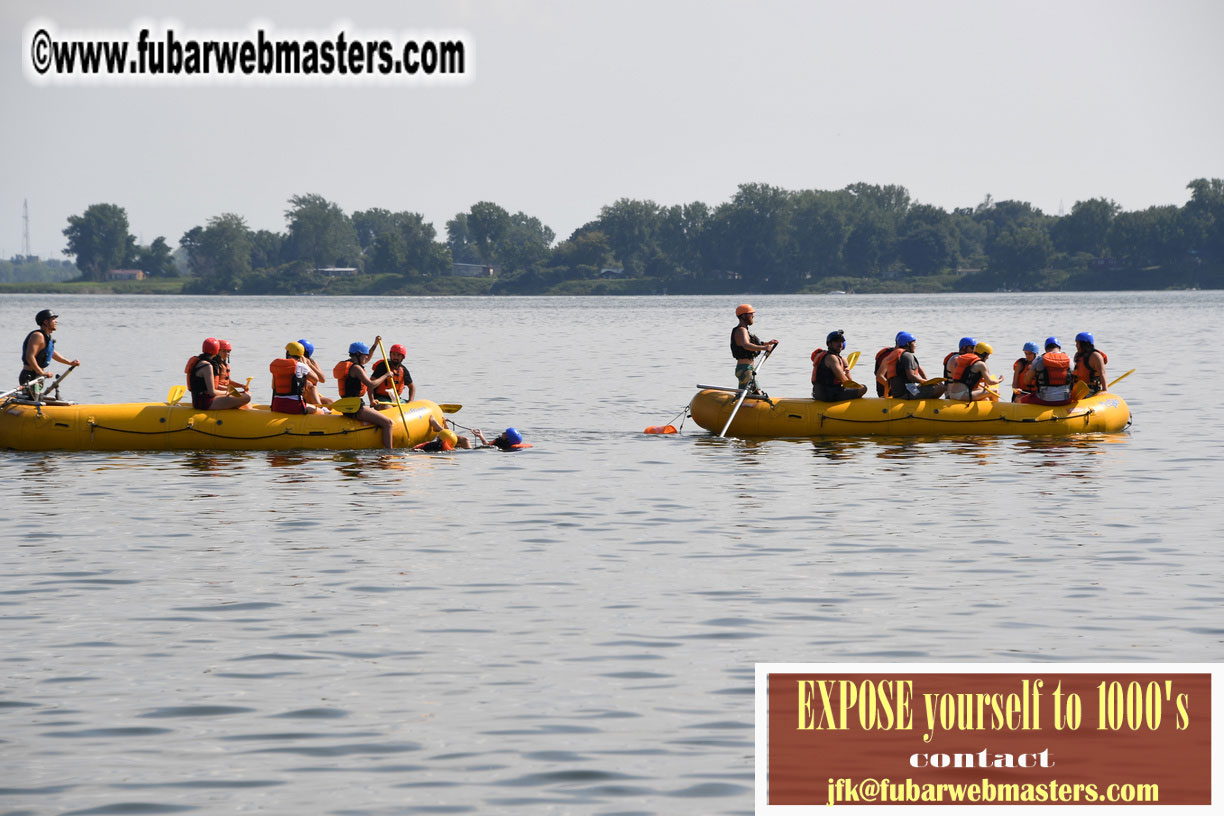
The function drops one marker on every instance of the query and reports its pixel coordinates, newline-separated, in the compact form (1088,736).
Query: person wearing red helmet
(382,394)
(202,371)
(223,380)
(745,347)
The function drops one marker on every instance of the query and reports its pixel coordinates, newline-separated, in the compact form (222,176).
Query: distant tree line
(764,239)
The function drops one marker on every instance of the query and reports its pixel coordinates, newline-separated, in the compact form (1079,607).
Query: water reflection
(215,463)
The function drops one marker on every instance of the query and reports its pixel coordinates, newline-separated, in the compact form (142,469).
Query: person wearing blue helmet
(965,346)
(1049,377)
(352,381)
(1090,363)
(1019,389)
(508,440)
(311,394)
(904,374)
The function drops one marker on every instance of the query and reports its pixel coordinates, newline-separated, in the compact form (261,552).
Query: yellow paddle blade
(176,394)
(449,407)
(346,405)
(1080,390)
(1123,377)
(934,381)
(851,359)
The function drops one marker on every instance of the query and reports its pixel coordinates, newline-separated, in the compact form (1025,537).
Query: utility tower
(25,228)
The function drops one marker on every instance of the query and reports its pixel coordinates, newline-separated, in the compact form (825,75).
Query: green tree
(927,243)
(1021,250)
(460,241)
(589,249)
(632,228)
(486,224)
(1086,228)
(266,249)
(157,259)
(524,243)
(220,253)
(320,233)
(99,240)
(1203,218)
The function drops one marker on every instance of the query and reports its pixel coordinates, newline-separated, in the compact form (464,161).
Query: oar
(1123,377)
(54,386)
(19,388)
(395,392)
(234,388)
(450,407)
(348,404)
(851,359)
(176,393)
(743,392)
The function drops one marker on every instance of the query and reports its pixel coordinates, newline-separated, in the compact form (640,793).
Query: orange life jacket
(817,358)
(1085,374)
(960,367)
(348,386)
(1018,369)
(191,362)
(286,382)
(398,376)
(889,364)
(222,378)
(1056,371)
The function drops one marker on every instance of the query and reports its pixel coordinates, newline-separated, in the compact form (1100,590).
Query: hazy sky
(572,105)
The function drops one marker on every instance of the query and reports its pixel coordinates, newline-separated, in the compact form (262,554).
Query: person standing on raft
(352,381)
(1090,363)
(38,350)
(829,372)
(202,373)
(745,347)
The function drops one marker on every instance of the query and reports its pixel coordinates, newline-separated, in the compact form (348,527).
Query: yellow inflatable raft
(160,426)
(797,418)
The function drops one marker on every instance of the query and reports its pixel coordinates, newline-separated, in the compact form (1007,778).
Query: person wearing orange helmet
(202,371)
(745,347)
(400,375)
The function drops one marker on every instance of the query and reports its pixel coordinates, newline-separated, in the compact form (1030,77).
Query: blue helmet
(1030,346)
(513,436)
(359,348)
(904,338)
(309,346)
(967,341)
(1085,337)
(1053,341)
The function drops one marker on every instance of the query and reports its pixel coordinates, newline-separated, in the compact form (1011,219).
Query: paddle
(235,389)
(394,391)
(743,392)
(349,404)
(1123,377)
(54,386)
(851,359)
(176,393)
(450,407)
(34,381)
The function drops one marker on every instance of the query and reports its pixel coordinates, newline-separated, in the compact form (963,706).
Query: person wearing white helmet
(970,376)
(745,347)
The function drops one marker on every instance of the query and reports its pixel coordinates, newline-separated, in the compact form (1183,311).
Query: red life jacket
(1085,374)
(1056,371)
(348,386)
(286,382)
(960,367)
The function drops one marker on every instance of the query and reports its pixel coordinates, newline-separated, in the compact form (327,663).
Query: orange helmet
(398,349)
(744,309)
(226,345)
(211,345)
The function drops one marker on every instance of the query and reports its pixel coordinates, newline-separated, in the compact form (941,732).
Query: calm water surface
(573,628)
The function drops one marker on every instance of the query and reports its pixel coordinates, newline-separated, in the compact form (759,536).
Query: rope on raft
(285,432)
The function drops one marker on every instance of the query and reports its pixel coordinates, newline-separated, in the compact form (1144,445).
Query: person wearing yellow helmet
(745,347)
(444,439)
(290,376)
(970,376)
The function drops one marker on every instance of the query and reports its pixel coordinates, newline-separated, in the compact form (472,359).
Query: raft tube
(794,418)
(159,426)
